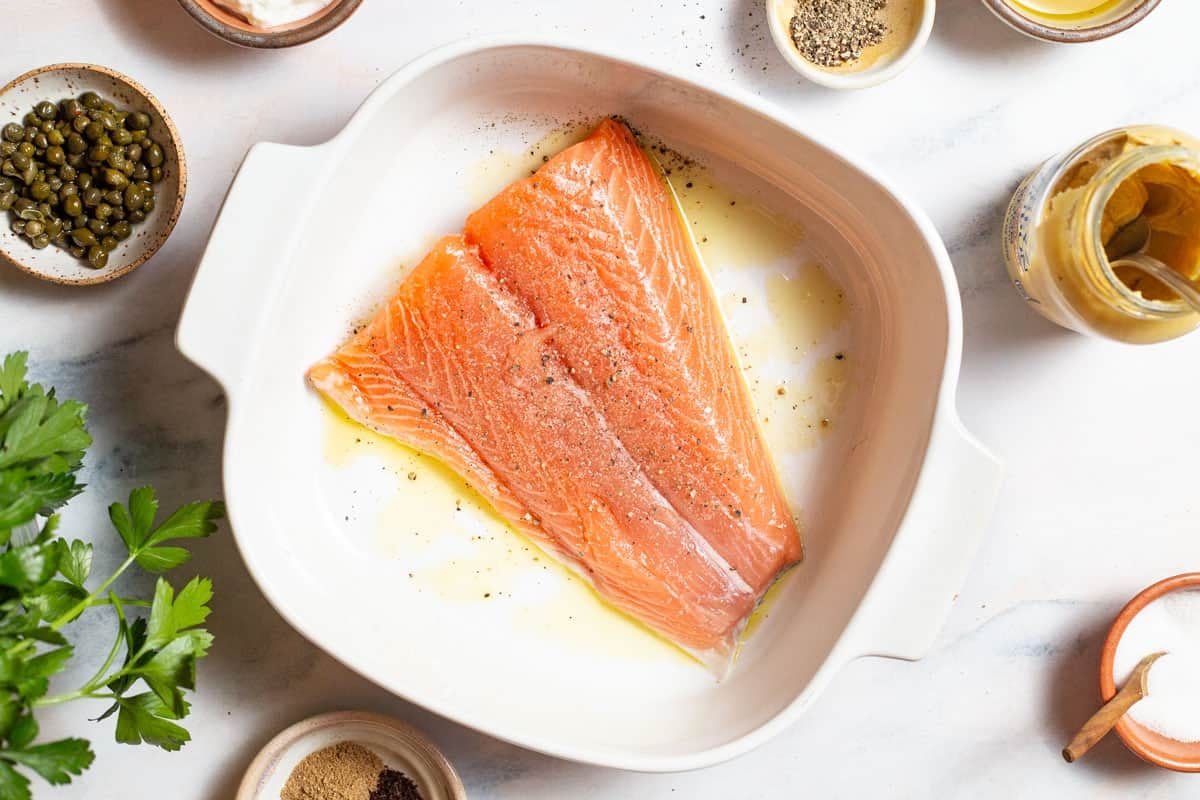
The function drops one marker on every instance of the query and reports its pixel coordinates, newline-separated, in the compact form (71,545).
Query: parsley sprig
(45,585)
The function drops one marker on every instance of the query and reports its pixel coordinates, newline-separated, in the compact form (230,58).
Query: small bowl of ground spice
(351,755)
(850,44)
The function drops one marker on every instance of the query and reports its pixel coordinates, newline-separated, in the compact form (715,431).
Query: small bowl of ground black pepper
(850,44)
(351,755)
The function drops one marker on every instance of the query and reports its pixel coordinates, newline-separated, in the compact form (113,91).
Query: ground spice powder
(832,33)
(344,771)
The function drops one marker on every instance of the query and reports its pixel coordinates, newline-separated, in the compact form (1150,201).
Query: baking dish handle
(929,559)
(245,258)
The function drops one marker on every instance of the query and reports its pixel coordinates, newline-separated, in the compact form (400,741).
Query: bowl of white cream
(270,23)
(1164,727)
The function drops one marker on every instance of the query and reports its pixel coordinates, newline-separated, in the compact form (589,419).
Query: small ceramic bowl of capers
(92,174)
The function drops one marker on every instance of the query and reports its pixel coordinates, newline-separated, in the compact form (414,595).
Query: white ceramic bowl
(894,500)
(778,14)
(58,82)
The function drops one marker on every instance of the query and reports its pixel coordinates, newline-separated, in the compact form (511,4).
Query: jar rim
(1109,179)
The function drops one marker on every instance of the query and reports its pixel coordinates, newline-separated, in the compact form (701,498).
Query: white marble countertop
(1101,498)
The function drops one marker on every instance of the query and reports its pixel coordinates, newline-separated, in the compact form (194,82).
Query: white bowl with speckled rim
(58,82)
(400,746)
(865,78)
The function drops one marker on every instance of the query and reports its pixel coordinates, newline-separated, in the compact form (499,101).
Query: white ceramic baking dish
(308,237)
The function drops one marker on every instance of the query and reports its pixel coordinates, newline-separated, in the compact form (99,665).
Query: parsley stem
(69,696)
(83,604)
(98,679)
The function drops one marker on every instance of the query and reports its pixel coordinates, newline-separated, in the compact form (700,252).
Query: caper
(7,199)
(83,237)
(40,141)
(13,132)
(72,206)
(99,153)
(56,138)
(122,137)
(77,160)
(134,197)
(80,123)
(153,155)
(109,243)
(84,180)
(7,184)
(98,226)
(93,131)
(39,190)
(31,119)
(90,100)
(156,174)
(54,228)
(127,167)
(118,213)
(76,144)
(21,161)
(40,242)
(137,216)
(17,226)
(140,172)
(46,110)
(97,257)
(76,251)
(7,149)
(55,155)
(133,152)
(139,121)
(67,172)
(26,149)
(113,197)
(149,205)
(70,108)
(115,178)
(104,211)
(54,182)
(80,221)
(34,228)
(92,196)
(121,231)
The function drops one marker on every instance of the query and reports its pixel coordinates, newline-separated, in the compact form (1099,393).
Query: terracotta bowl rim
(181,166)
(1050,33)
(268,38)
(1130,732)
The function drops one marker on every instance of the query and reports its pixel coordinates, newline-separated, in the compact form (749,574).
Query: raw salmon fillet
(457,359)
(595,244)
(566,356)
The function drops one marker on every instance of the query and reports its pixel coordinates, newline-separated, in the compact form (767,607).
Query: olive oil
(1066,10)
(790,324)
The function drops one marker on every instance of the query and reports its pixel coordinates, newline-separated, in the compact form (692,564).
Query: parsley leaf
(44,587)
(54,761)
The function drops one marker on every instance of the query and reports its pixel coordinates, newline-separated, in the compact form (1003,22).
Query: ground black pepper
(831,33)
(395,785)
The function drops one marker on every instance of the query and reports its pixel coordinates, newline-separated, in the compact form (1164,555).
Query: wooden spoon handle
(1103,721)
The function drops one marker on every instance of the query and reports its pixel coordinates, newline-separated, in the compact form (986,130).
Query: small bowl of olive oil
(1071,21)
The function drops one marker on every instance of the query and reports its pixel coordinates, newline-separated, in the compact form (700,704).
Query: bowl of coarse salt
(1164,727)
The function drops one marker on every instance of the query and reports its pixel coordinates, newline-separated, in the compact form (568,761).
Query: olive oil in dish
(791,332)
(1066,10)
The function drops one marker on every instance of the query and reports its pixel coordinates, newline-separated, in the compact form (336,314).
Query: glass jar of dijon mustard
(1130,190)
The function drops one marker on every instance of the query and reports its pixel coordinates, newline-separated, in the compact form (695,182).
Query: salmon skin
(567,356)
